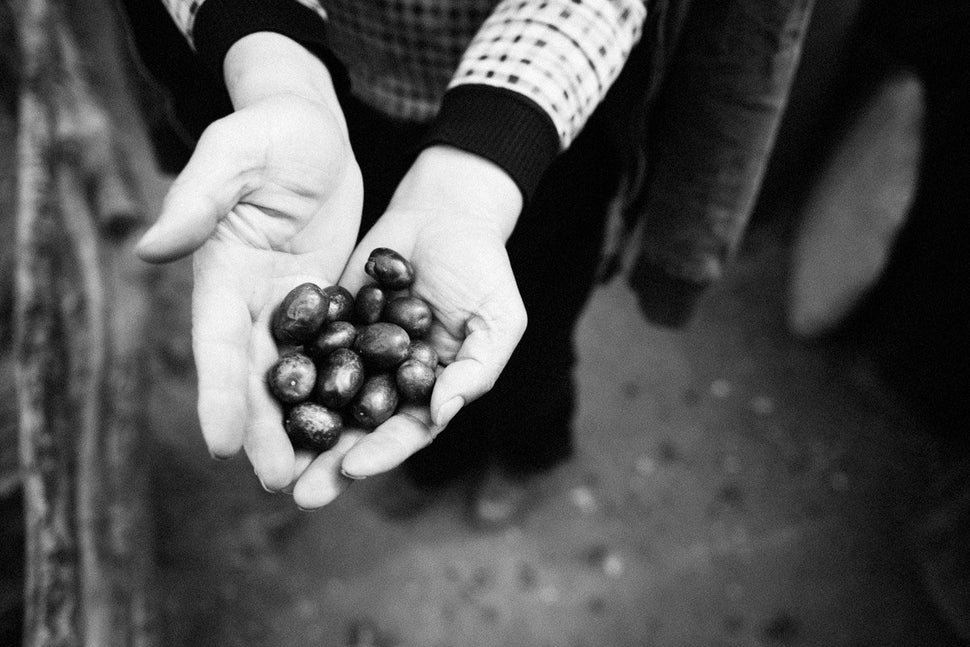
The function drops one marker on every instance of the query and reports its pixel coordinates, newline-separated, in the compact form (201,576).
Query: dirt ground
(732,487)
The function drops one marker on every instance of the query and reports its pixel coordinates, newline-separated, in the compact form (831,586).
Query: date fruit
(292,377)
(313,426)
(382,344)
(423,352)
(370,303)
(353,358)
(300,315)
(335,334)
(341,303)
(376,400)
(411,313)
(415,380)
(339,378)
(389,268)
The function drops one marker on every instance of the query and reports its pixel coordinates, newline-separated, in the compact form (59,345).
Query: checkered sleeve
(531,77)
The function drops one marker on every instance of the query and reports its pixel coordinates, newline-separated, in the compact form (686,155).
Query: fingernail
(147,239)
(448,410)
(266,488)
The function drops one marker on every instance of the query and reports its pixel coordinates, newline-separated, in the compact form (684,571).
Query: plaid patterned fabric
(403,55)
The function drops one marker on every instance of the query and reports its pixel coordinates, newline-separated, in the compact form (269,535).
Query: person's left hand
(451,217)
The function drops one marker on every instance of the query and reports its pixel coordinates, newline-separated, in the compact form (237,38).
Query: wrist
(464,184)
(265,64)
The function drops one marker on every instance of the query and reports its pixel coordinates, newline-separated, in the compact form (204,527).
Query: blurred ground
(733,487)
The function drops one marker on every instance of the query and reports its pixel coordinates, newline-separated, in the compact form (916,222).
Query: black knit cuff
(220,23)
(500,125)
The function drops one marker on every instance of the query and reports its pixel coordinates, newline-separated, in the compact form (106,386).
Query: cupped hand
(451,217)
(271,198)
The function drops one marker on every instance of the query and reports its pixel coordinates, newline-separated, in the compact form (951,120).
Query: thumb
(483,354)
(210,185)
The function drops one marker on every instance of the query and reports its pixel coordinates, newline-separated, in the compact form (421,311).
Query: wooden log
(46,450)
(82,295)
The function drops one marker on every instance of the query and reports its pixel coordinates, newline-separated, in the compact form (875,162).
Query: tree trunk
(81,301)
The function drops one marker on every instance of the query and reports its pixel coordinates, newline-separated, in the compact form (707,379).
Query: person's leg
(555,251)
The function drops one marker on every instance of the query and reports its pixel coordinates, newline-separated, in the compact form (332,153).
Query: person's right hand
(271,198)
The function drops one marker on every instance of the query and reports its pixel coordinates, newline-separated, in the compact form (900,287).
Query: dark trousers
(524,423)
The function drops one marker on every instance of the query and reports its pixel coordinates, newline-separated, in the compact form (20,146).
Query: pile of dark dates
(348,358)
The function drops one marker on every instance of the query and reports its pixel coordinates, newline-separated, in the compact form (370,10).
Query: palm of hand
(271,198)
(463,272)
(294,184)
(466,278)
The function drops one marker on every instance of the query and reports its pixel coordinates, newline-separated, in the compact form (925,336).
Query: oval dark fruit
(389,268)
(382,344)
(339,378)
(334,335)
(341,303)
(313,426)
(409,312)
(415,380)
(369,303)
(376,400)
(291,378)
(300,315)
(423,352)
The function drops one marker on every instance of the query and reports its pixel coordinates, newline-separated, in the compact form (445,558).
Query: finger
(390,444)
(302,461)
(445,343)
(209,186)
(266,443)
(221,330)
(322,481)
(483,354)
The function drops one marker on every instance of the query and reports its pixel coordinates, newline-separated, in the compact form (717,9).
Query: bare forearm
(463,184)
(264,64)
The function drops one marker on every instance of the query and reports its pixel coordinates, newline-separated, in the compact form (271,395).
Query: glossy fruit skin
(369,303)
(423,352)
(376,400)
(389,268)
(313,426)
(300,314)
(291,378)
(341,303)
(333,335)
(382,345)
(339,378)
(415,381)
(411,313)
